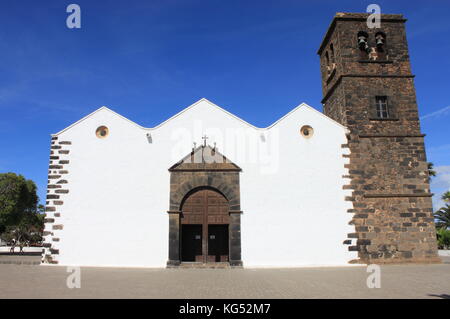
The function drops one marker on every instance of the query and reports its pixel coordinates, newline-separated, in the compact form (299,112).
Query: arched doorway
(205,200)
(205,226)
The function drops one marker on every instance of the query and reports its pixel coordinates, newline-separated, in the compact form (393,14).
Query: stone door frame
(184,182)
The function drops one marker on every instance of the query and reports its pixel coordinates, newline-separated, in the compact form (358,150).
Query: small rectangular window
(382,107)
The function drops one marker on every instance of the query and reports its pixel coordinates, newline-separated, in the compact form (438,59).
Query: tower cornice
(339,79)
(345,16)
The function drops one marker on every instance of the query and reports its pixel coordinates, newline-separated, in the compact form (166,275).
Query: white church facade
(203,187)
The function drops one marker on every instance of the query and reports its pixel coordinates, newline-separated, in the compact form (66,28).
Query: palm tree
(443,214)
(431,171)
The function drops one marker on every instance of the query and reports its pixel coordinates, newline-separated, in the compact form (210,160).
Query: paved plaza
(25,280)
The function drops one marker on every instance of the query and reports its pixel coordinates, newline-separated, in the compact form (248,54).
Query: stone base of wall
(217,265)
(394,261)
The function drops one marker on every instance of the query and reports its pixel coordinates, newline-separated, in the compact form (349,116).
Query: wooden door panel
(218,242)
(207,207)
(191,242)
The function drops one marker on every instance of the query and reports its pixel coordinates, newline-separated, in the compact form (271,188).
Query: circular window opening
(102,132)
(307,131)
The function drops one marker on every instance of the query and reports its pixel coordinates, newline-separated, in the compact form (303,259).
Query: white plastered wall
(294,208)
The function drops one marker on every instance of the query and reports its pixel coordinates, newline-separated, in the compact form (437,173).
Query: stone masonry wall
(57,189)
(392,210)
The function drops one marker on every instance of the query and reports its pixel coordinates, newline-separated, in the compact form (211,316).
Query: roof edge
(303,104)
(90,115)
(193,105)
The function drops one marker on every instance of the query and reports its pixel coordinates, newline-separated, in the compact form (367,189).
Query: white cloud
(443,111)
(443,147)
(442,179)
(440,184)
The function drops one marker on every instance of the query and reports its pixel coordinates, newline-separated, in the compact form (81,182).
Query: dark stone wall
(392,209)
(354,104)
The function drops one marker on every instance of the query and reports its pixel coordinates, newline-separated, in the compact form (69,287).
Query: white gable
(202,109)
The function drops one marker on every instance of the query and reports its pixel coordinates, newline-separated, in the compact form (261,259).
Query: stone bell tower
(368,87)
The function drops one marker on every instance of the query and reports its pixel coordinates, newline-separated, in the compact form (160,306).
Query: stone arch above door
(204,167)
(181,183)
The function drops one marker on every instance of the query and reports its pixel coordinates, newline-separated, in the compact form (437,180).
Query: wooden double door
(204,227)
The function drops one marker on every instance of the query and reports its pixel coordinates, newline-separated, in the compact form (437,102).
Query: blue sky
(148,60)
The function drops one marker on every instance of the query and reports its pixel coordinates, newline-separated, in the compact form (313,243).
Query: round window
(102,132)
(307,131)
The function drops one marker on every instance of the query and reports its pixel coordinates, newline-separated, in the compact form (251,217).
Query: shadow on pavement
(442,296)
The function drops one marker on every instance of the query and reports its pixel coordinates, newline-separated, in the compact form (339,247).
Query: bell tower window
(333,61)
(363,44)
(327,58)
(382,107)
(380,40)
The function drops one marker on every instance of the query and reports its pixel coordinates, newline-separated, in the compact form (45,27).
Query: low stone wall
(444,253)
(6,249)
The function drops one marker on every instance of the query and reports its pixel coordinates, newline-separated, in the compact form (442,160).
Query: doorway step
(196,265)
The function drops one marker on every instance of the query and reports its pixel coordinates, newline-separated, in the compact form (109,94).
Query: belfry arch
(204,207)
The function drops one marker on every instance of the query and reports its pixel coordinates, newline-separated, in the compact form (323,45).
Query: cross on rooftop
(204,139)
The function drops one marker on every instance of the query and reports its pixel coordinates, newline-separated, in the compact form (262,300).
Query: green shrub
(443,238)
